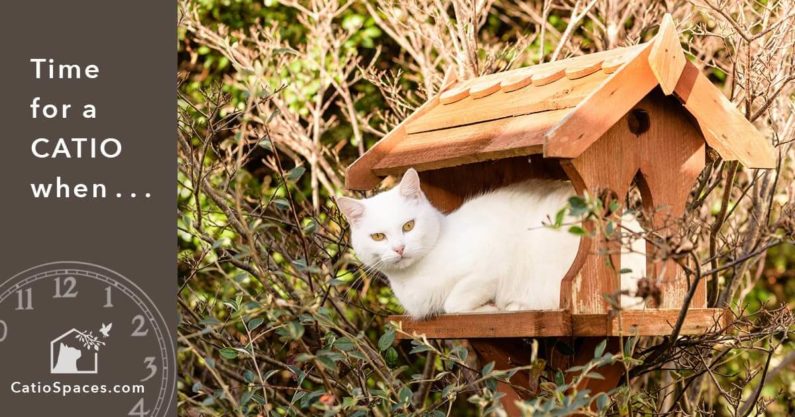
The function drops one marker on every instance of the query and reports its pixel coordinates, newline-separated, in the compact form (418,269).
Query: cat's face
(394,229)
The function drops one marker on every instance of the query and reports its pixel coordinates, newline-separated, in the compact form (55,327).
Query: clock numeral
(139,331)
(138,410)
(25,299)
(3,330)
(69,283)
(149,361)
(108,303)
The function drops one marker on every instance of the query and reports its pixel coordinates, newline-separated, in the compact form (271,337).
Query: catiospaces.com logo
(64,390)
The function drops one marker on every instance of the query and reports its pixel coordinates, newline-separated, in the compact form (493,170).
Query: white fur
(494,249)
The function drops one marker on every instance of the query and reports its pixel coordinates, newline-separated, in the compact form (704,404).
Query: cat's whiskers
(364,270)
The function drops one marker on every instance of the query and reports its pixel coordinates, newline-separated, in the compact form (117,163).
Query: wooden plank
(666,58)
(501,138)
(535,98)
(650,322)
(558,323)
(448,188)
(506,354)
(490,325)
(602,108)
(725,129)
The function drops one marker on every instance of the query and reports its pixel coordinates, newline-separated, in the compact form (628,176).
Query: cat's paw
(486,308)
(517,306)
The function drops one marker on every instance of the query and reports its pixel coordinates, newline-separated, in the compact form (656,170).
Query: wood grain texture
(515,82)
(506,354)
(490,325)
(497,139)
(573,72)
(613,65)
(549,76)
(666,58)
(651,322)
(608,164)
(484,88)
(672,155)
(725,129)
(667,159)
(534,98)
(559,323)
(595,114)
(448,188)
(454,94)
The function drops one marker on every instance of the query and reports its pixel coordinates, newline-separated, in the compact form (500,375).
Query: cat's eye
(408,226)
(378,236)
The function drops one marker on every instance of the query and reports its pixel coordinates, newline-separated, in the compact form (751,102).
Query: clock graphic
(78,339)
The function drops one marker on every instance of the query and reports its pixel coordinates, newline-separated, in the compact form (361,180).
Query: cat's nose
(399,249)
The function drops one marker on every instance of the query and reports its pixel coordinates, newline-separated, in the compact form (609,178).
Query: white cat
(493,253)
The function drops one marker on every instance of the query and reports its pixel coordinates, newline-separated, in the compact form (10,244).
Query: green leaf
(281,203)
(249,376)
(228,353)
(391,356)
(577,205)
(419,348)
(577,230)
(246,397)
(344,344)
(487,368)
(386,340)
(602,401)
(600,349)
(628,344)
(405,395)
(559,378)
(559,216)
(613,206)
(255,322)
(295,173)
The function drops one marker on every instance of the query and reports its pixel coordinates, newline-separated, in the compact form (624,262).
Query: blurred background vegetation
(276,98)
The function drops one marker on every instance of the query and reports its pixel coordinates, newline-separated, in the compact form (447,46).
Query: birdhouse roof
(558,109)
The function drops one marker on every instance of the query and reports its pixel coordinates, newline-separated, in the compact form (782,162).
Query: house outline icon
(53,359)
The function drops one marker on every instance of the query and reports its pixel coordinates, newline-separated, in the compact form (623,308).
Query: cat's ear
(352,209)
(410,184)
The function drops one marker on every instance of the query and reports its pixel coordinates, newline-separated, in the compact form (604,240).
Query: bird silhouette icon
(105,330)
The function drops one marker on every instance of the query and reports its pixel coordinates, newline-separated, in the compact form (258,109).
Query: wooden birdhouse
(641,114)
